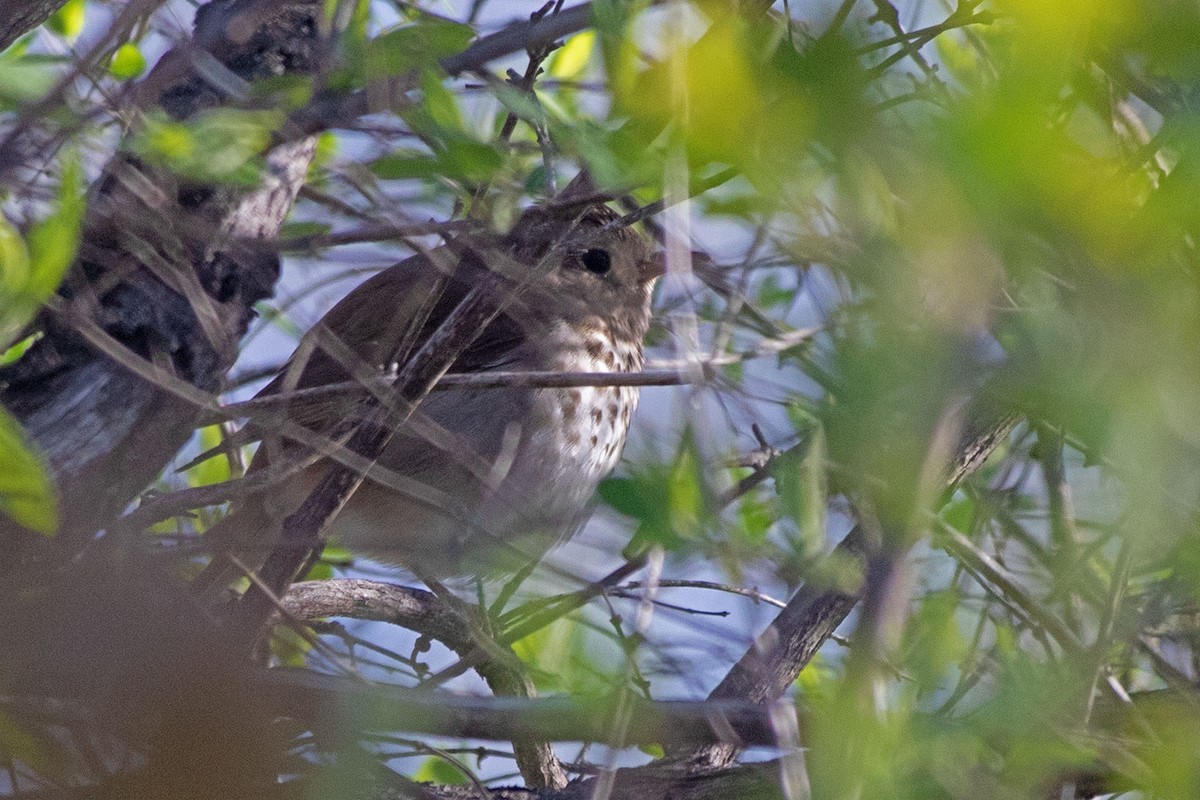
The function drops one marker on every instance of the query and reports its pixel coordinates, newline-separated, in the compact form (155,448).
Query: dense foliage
(932,281)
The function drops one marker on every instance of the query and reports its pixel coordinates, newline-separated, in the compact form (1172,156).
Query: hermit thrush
(480,479)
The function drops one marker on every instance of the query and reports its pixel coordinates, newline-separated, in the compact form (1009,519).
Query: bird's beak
(654,267)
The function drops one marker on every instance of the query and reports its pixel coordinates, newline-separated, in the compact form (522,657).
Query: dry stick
(329,112)
(667,373)
(302,529)
(780,652)
(370,232)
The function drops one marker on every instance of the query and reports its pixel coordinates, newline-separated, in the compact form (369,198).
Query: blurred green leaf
(54,241)
(438,770)
(933,640)
(563,657)
(414,46)
(439,104)
(127,62)
(755,517)
(24,78)
(670,503)
(18,349)
(320,571)
(289,648)
(26,493)
(298,230)
(223,145)
(803,491)
(31,270)
(398,166)
(68,20)
(570,61)
(470,161)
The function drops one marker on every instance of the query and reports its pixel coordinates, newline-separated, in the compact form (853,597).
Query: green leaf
(438,770)
(302,229)
(471,161)
(26,494)
(336,556)
(671,502)
(222,144)
(959,513)
(398,166)
(54,241)
(13,354)
(685,494)
(421,45)
(31,269)
(68,20)
(756,518)
(289,648)
(933,640)
(211,470)
(628,496)
(800,481)
(439,103)
(14,260)
(319,571)
(572,59)
(25,79)
(128,62)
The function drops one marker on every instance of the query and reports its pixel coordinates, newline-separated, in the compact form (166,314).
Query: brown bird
(481,480)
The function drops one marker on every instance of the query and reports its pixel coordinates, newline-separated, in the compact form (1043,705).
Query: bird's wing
(379,325)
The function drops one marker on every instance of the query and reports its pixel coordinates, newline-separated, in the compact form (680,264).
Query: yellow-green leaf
(26,494)
(128,62)
(31,269)
(437,770)
(211,470)
(68,20)
(571,60)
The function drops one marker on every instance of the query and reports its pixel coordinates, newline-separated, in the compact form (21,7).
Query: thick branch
(164,281)
(423,612)
(761,781)
(312,697)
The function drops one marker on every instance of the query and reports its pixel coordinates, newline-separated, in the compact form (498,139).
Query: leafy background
(903,208)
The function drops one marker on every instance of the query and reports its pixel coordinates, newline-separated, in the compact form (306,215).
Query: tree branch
(425,613)
(777,656)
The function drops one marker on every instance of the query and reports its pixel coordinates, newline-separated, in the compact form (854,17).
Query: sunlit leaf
(68,20)
(574,57)
(128,62)
(437,770)
(212,470)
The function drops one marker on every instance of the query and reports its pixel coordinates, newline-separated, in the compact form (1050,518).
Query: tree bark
(148,321)
(18,17)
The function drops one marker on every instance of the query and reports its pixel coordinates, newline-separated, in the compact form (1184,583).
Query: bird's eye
(596,261)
